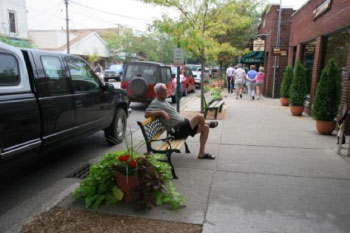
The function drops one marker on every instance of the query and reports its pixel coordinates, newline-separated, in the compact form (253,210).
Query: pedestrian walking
(251,80)
(229,76)
(260,78)
(240,77)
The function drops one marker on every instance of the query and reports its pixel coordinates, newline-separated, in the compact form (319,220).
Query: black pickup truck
(49,98)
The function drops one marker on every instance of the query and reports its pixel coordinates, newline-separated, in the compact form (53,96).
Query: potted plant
(145,181)
(298,90)
(327,99)
(284,91)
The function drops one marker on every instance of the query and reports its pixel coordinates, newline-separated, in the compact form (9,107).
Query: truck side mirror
(108,87)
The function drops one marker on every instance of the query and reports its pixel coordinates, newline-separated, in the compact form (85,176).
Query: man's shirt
(175,117)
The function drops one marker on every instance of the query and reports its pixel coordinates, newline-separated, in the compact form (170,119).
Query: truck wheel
(115,133)
(106,79)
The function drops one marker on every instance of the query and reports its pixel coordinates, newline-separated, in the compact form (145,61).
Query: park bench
(152,130)
(212,105)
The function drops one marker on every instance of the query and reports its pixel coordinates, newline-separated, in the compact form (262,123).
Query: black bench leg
(216,113)
(186,148)
(172,166)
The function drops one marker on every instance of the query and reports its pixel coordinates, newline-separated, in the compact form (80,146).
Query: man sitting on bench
(177,125)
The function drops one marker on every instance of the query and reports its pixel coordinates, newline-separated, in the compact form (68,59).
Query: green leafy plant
(154,181)
(216,92)
(99,186)
(328,93)
(287,79)
(298,88)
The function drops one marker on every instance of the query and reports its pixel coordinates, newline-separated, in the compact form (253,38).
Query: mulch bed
(77,220)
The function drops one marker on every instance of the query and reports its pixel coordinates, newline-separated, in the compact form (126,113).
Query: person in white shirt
(229,76)
(240,77)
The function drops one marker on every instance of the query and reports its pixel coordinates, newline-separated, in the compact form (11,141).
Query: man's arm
(157,114)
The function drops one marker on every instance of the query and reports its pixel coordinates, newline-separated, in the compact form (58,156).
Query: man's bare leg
(204,132)
(198,119)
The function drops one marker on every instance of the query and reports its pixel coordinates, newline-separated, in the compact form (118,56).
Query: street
(18,185)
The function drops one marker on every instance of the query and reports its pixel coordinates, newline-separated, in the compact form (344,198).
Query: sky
(46,15)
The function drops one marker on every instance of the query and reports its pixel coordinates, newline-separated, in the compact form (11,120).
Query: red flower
(124,158)
(132,163)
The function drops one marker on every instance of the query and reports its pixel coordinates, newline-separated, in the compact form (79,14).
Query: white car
(196,71)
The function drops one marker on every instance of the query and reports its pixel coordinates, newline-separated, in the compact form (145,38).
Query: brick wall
(270,29)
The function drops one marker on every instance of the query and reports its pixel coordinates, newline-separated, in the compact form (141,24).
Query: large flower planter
(325,127)
(126,184)
(296,110)
(284,101)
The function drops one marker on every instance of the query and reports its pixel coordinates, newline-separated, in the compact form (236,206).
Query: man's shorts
(239,85)
(183,130)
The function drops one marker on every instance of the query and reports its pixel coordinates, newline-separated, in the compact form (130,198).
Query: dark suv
(140,78)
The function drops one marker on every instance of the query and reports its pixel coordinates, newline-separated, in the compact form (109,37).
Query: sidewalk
(273,173)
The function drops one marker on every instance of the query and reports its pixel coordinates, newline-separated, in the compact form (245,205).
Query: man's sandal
(213,124)
(206,156)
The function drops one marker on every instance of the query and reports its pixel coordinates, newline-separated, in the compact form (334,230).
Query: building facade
(276,57)
(13,19)
(320,30)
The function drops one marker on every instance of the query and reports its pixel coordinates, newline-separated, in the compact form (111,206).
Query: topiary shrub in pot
(284,91)
(298,90)
(327,98)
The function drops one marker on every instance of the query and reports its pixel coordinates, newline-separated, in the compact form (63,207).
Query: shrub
(298,87)
(328,93)
(287,79)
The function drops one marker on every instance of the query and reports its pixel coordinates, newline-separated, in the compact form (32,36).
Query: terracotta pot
(296,110)
(126,184)
(325,127)
(284,101)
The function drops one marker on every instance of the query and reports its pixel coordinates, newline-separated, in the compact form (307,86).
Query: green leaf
(98,201)
(118,194)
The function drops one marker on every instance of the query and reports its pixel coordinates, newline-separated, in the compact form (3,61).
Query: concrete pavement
(273,173)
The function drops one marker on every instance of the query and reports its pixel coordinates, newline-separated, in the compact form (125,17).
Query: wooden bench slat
(147,121)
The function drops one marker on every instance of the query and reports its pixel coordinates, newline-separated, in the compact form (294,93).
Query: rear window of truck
(9,72)
(148,72)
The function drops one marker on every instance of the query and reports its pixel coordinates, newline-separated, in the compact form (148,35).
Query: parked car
(113,72)
(197,71)
(187,80)
(49,98)
(140,78)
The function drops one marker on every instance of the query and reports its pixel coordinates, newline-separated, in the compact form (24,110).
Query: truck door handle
(78,103)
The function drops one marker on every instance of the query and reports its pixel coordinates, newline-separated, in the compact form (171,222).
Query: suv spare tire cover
(138,86)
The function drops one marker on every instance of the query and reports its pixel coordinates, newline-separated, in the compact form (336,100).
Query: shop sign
(259,45)
(279,52)
(321,9)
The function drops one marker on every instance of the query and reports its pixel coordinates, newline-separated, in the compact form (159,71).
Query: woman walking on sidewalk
(260,78)
(251,81)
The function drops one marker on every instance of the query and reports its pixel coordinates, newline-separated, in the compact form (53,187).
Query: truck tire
(115,133)
(138,87)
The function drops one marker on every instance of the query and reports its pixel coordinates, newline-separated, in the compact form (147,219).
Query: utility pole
(67,26)
(277,46)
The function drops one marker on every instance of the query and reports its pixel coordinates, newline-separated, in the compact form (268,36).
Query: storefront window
(337,47)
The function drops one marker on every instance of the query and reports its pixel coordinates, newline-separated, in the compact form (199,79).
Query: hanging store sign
(279,52)
(259,45)
(321,9)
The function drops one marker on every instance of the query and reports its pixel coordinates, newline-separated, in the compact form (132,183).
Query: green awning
(253,57)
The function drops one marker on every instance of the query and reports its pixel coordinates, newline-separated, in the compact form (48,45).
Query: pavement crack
(285,175)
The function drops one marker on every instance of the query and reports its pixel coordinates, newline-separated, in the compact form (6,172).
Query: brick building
(275,65)
(320,30)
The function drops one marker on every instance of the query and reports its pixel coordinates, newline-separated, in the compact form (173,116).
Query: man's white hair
(157,87)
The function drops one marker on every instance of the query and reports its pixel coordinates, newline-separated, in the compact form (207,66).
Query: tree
(287,79)
(328,93)
(298,88)
(92,58)
(200,26)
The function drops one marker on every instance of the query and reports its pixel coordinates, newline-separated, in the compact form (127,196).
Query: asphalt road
(22,179)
